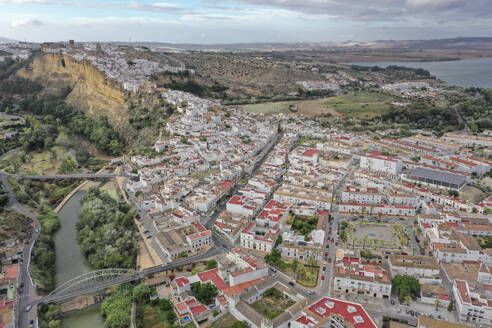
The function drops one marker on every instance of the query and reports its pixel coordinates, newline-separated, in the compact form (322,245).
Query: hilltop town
(357,216)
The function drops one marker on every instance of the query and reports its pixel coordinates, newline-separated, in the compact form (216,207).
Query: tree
(450,306)
(141,292)
(205,293)
(116,308)
(408,299)
(279,240)
(240,324)
(453,193)
(211,264)
(438,304)
(68,165)
(405,286)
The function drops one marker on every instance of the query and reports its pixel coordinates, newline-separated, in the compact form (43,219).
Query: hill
(5,40)
(90,91)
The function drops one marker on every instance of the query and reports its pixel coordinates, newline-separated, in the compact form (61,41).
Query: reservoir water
(463,73)
(70,262)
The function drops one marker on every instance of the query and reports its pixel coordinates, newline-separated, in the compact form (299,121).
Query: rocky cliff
(91,91)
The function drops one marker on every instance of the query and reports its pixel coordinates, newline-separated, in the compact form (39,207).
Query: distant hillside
(469,43)
(5,40)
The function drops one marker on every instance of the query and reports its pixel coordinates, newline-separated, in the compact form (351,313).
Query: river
(70,262)
(464,73)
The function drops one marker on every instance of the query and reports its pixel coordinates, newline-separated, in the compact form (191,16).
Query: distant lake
(463,73)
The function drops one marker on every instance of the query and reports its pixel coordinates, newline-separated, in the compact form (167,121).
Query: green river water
(70,262)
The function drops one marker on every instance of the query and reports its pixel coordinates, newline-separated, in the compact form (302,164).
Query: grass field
(153,318)
(307,107)
(361,105)
(472,194)
(271,306)
(225,322)
(112,189)
(39,162)
(308,276)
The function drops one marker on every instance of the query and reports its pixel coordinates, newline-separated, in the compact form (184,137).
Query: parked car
(291,283)
(322,277)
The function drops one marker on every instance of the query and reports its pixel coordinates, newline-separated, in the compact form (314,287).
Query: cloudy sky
(229,21)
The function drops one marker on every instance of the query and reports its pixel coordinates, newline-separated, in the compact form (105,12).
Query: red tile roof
(463,290)
(198,309)
(182,281)
(311,152)
(351,312)
(213,275)
(11,271)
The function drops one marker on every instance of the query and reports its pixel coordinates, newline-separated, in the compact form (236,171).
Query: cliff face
(91,92)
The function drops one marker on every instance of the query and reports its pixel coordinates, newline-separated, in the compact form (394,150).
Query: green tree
(116,308)
(141,292)
(438,304)
(240,324)
(68,165)
(450,306)
(408,299)
(205,293)
(54,323)
(211,264)
(404,286)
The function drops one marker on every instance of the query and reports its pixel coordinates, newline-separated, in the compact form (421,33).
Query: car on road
(146,231)
(324,268)
(28,308)
(326,253)
(392,302)
(31,323)
(322,277)
(148,237)
(291,283)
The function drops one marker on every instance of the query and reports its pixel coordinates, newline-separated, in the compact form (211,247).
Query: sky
(236,21)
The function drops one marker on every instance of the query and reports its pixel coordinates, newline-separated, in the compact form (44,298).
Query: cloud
(120,20)
(435,4)
(374,10)
(25,22)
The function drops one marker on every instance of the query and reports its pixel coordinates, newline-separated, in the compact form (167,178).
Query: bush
(107,234)
(205,293)
(404,286)
(43,254)
(211,264)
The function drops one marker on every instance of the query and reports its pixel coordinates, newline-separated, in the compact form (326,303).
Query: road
(29,289)
(85,176)
(460,119)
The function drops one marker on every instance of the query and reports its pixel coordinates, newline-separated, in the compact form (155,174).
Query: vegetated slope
(247,77)
(90,92)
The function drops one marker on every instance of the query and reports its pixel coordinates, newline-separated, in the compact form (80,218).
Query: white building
(472,305)
(375,161)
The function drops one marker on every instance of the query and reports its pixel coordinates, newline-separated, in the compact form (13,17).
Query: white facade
(377,162)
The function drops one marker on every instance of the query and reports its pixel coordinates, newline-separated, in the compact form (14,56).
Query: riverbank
(70,262)
(464,73)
